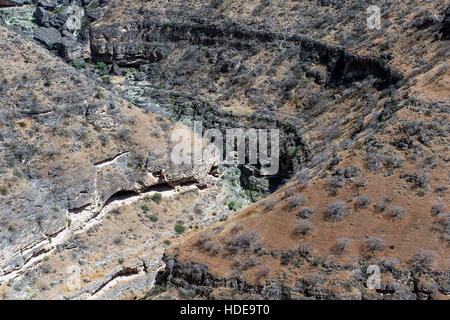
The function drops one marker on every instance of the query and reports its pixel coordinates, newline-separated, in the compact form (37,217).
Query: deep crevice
(121,195)
(126,272)
(79,209)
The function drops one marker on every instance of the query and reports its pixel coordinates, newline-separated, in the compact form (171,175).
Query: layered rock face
(70,149)
(111,44)
(12,3)
(446,25)
(226,72)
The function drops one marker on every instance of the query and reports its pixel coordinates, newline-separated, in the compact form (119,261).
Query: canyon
(93,207)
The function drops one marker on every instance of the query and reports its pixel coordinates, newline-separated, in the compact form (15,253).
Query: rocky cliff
(70,151)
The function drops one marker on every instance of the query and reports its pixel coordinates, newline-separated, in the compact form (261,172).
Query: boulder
(116,69)
(13,3)
(68,34)
(326,3)
(94,14)
(47,4)
(73,21)
(445,29)
(58,20)
(139,76)
(69,49)
(106,70)
(48,36)
(42,17)
(426,22)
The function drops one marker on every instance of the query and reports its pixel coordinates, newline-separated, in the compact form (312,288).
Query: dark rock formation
(69,49)
(196,278)
(48,36)
(58,20)
(150,40)
(13,3)
(42,17)
(445,29)
(426,22)
(51,4)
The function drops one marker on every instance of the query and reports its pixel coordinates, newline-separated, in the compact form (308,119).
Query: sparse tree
(423,260)
(305,213)
(437,209)
(340,245)
(362,202)
(304,227)
(396,212)
(337,211)
(373,243)
(296,201)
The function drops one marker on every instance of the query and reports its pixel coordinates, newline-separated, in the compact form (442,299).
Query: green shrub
(179,228)
(39,220)
(4,190)
(79,65)
(18,173)
(118,240)
(145,208)
(153,218)
(232,205)
(157,289)
(59,10)
(157,197)
(100,65)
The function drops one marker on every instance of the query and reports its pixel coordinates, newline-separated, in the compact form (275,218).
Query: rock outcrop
(193,279)
(68,146)
(12,3)
(445,29)
(137,43)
